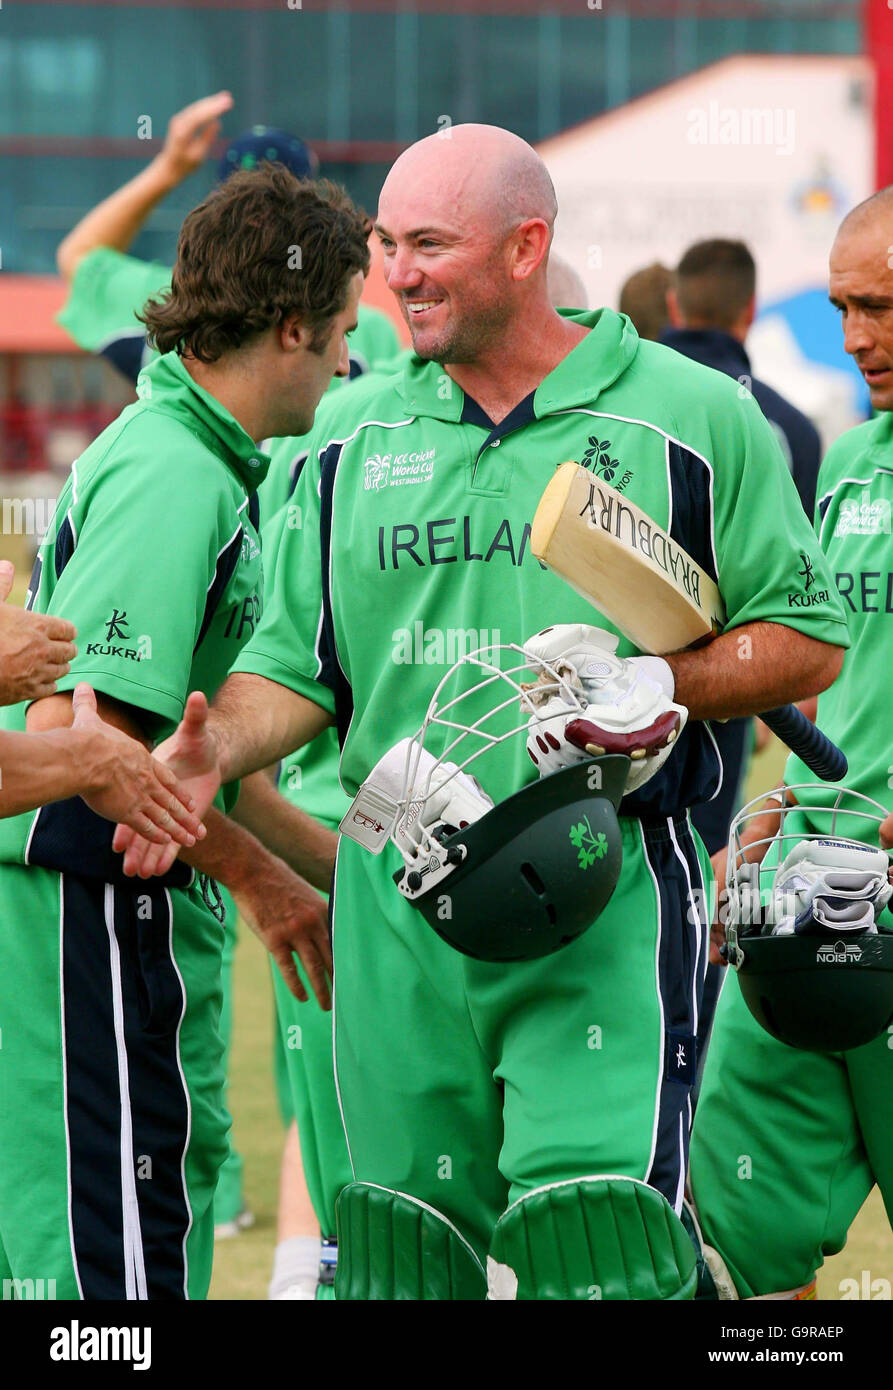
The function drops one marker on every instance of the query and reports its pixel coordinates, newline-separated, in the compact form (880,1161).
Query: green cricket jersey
(289,453)
(109,289)
(853,519)
(413,539)
(309,777)
(817,1127)
(154,554)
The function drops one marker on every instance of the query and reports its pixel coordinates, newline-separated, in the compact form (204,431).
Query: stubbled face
(861,287)
(312,372)
(447,270)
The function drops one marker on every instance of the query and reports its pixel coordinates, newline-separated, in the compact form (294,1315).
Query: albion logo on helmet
(838,954)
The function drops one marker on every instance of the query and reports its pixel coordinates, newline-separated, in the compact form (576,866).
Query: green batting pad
(592,1238)
(392,1246)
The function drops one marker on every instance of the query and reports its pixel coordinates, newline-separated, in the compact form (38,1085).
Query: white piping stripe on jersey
(712,737)
(860,482)
(335,655)
(671,439)
(31,832)
(680,1186)
(71,1244)
(74,498)
(322,607)
(364,425)
(226,547)
(353,1170)
(188,1134)
(660,1004)
(705,899)
(841,482)
(669,484)
(134,1263)
(692,908)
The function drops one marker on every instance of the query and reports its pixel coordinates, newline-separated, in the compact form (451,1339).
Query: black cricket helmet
(513,881)
(812,955)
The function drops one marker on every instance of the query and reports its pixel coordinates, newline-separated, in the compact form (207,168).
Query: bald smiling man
(504,1119)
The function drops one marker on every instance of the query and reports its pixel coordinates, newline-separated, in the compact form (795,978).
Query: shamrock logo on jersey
(597,458)
(589,847)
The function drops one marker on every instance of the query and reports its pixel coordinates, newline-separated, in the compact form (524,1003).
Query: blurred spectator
(566,289)
(712,303)
(643,298)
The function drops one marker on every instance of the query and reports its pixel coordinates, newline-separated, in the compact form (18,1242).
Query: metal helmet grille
(749,888)
(825,983)
(448,720)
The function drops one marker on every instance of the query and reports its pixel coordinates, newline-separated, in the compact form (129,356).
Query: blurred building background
(86,91)
(358,80)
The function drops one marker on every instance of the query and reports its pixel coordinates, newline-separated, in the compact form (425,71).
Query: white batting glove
(623,705)
(439,795)
(829,885)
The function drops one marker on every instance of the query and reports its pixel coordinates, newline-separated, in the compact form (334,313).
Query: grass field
(242,1265)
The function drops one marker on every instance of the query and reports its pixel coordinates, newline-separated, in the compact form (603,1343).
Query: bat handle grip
(806,740)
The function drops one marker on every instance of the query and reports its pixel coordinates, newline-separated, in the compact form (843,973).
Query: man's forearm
(255,722)
(117,220)
(753,668)
(38,768)
(229,853)
(304,844)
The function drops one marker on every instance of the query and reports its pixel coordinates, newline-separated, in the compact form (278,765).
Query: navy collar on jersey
(590,368)
(522,414)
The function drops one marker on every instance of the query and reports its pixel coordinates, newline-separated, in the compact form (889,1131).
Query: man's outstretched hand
(123,782)
(35,648)
(191,753)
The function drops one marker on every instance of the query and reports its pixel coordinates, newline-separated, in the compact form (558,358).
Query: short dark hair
(643,298)
(715,282)
(261,246)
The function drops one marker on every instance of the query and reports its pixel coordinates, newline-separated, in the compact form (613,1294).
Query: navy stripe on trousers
(127,1110)
(682,961)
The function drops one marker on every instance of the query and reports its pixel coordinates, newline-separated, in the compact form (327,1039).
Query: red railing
(48,438)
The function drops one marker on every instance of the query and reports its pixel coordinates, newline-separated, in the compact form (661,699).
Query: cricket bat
(642,581)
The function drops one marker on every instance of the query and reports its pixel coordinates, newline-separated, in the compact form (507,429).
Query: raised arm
(116,221)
